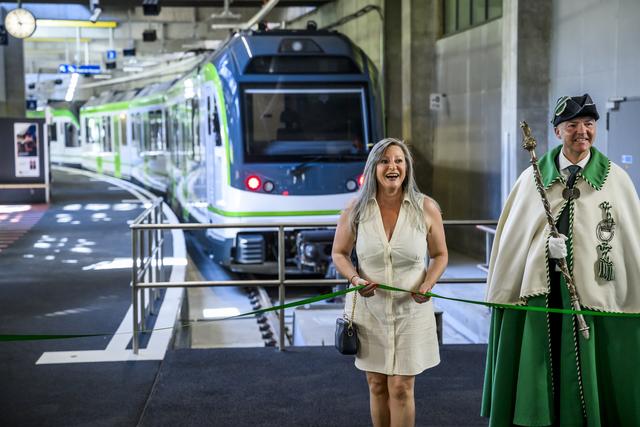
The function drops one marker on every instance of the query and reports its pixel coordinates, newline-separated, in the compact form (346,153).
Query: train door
(623,146)
(209,139)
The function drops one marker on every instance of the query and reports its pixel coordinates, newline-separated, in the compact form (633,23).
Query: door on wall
(623,140)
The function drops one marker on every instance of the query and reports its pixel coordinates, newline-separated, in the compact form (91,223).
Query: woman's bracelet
(351,280)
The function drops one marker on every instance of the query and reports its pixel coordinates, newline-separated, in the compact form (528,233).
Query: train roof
(253,50)
(110,97)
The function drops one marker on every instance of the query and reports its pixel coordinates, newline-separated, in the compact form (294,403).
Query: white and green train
(273,127)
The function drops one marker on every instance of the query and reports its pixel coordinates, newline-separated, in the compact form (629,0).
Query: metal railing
(489,232)
(146,244)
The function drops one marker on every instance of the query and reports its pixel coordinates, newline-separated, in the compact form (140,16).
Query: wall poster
(26,149)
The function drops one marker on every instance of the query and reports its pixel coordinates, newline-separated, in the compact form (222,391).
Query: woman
(392,224)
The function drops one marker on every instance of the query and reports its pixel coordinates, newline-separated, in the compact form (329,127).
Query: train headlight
(310,251)
(253,183)
(351,185)
(360,180)
(268,186)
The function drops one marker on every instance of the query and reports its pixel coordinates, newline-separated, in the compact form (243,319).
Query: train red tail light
(253,183)
(360,180)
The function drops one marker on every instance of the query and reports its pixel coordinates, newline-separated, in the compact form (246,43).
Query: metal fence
(147,237)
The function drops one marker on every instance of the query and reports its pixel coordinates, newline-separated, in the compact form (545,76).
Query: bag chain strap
(353,309)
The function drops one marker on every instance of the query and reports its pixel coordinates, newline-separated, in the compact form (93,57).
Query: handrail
(145,272)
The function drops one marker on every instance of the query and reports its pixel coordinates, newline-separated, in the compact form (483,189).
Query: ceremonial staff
(529,144)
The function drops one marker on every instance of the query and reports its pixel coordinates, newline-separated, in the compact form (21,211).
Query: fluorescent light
(72,87)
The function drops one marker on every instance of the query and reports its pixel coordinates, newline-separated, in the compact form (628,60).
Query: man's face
(577,136)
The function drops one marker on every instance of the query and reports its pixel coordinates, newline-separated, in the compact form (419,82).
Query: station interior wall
(594,49)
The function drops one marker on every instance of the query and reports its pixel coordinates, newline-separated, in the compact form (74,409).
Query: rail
(148,264)
(489,232)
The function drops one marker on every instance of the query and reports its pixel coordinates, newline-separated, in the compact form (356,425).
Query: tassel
(606,269)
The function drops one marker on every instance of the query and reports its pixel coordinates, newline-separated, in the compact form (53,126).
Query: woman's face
(391,169)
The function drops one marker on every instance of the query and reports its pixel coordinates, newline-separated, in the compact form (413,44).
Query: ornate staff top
(528,142)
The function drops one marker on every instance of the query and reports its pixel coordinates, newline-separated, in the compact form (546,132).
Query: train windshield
(293,124)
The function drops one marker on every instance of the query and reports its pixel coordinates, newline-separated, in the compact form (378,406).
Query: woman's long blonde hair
(370,185)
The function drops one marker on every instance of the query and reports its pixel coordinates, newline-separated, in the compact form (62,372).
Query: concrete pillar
(525,82)
(411,28)
(393,68)
(12,97)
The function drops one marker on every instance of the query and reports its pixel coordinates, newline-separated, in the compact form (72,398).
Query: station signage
(80,69)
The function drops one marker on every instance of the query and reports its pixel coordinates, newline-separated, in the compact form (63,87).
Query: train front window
(287,124)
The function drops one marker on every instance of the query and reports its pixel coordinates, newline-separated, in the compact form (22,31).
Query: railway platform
(66,270)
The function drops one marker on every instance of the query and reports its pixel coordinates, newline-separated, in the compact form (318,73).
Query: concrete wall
(594,49)
(466,178)
(366,31)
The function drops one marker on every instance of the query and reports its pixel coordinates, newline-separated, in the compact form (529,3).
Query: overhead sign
(80,69)
(111,55)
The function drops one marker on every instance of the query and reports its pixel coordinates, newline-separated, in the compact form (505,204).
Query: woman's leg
(378,399)
(401,402)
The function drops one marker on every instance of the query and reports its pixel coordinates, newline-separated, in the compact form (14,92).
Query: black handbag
(346,339)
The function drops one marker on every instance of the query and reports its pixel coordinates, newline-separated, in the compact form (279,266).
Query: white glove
(557,247)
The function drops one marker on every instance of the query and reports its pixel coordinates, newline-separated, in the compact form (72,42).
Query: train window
(52,130)
(92,130)
(216,127)
(187,130)
(302,64)
(71,135)
(209,115)
(146,134)
(156,141)
(195,126)
(123,129)
(107,140)
(323,123)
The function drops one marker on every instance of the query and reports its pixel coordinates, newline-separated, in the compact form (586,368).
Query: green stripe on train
(237,214)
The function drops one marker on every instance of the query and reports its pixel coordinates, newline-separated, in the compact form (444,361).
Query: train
(273,127)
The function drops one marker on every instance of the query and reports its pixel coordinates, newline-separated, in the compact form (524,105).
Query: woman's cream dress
(397,335)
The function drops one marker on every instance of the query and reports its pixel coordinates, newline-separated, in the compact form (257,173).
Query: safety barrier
(146,248)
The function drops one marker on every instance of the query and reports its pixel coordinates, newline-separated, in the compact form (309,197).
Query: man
(540,369)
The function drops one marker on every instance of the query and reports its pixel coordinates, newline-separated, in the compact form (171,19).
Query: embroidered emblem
(561,105)
(605,231)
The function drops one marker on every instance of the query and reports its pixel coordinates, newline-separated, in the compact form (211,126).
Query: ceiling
(188,3)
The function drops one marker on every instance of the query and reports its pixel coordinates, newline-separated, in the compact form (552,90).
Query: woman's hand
(419,296)
(368,290)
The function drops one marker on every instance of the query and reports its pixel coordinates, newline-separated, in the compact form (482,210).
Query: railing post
(134,287)
(281,290)
(487,248)
(144,277)
(150,269)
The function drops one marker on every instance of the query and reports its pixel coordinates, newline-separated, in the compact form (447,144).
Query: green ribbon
(37,337)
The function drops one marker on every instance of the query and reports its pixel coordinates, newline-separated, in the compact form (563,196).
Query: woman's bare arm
(438,254)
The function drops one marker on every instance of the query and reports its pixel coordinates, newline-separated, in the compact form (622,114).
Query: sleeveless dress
(397,335)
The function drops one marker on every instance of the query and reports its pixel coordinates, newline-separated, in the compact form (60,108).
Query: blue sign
(627,159)
(111,55)
(81,69)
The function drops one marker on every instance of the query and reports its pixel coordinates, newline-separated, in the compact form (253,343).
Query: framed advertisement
(25,137)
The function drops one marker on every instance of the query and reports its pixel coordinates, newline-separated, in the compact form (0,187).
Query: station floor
(64,271)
